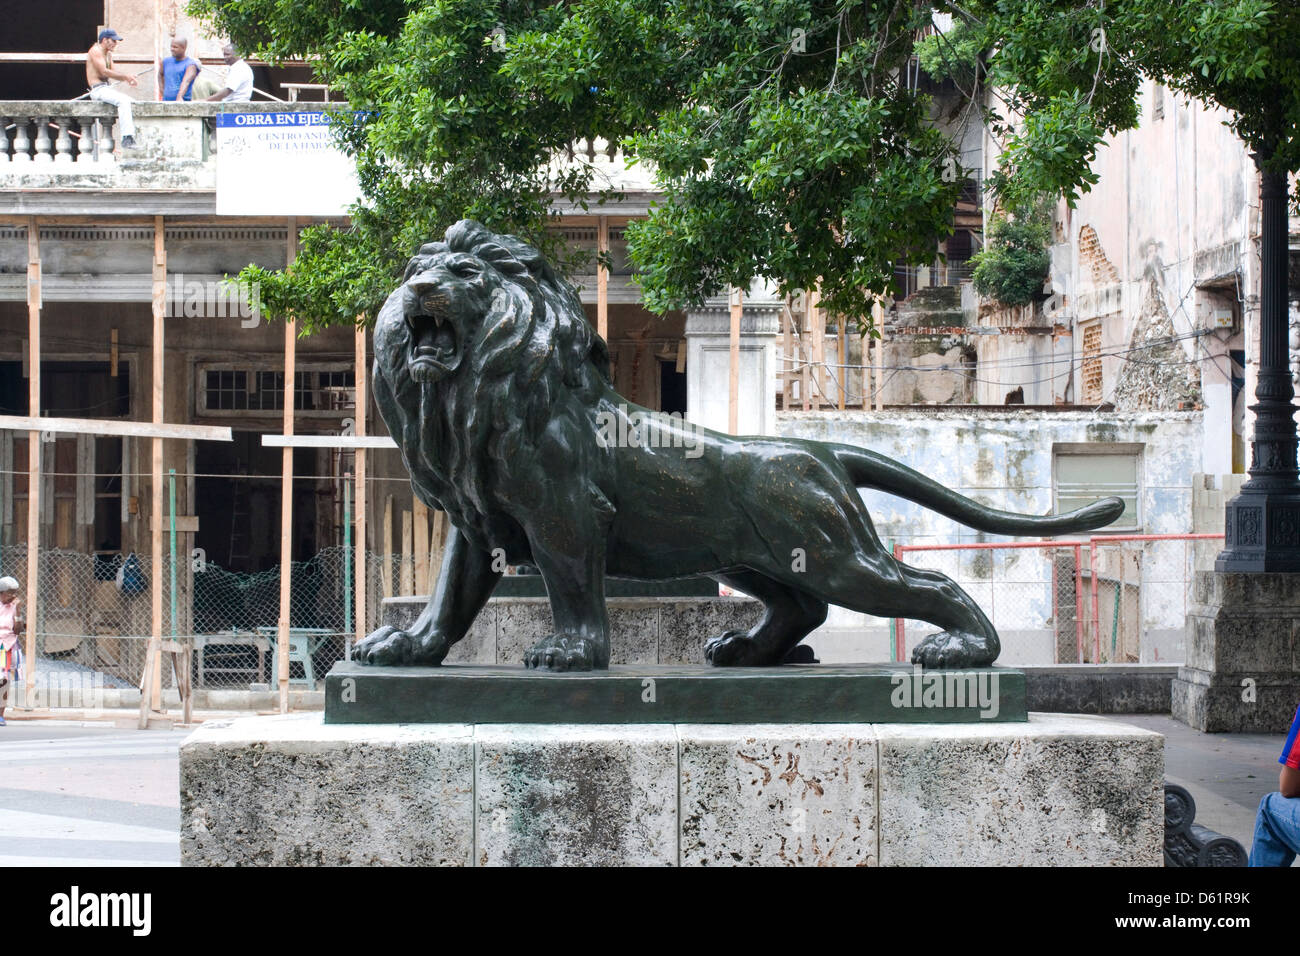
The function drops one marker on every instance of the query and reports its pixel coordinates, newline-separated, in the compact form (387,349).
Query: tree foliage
(1014,261)
(1070,73)
(955,54)
(786,139)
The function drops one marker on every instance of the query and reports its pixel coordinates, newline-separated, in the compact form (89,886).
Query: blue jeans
(1277,831)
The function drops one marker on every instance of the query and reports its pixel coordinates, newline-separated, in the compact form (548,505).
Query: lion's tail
(869,470)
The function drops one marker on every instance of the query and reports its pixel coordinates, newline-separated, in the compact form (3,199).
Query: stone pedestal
(1242,672)
(708,365)
(643,630)
(295,791)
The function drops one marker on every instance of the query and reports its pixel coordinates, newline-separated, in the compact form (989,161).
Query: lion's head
(478,292)
(472,350)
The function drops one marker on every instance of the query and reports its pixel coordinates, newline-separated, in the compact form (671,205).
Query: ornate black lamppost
(1263,521)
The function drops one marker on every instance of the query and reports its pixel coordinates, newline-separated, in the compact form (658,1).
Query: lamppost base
(1261,532)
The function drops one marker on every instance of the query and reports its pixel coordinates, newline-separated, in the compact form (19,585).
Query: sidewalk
(1226,774)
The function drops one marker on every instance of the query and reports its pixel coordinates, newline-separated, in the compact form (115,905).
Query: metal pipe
(171,516)
(347,553)
(898,626)
(1078,603)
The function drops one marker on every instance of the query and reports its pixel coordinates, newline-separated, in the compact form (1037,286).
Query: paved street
(75,794)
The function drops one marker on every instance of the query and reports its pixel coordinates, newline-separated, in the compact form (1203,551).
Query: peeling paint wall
(1003,459)
(1162,245)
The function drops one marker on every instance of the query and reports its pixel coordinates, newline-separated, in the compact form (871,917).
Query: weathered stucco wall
(1160,243)
(1005,459)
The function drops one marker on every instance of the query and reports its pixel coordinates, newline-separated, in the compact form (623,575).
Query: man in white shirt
(238,87)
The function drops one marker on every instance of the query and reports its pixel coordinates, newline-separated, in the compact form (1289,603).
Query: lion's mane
(533,343)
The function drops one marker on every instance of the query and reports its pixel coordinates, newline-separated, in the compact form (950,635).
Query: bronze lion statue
(497,390)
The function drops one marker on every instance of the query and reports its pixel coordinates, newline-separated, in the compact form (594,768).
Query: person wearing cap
(11,625)
(98,75)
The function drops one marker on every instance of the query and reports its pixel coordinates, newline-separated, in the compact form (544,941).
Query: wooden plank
(185,524)
(843,362)
(328,441)
(108,428)
(407,582)
(733,385)
(806,350)
(602,280)
(420,520)
(286,486)
(819,354)
(112,352)
(437,543)
(33,451)
(866,372)
(151,693)
(787,345)
(360,563)
(878,317)
(388,546)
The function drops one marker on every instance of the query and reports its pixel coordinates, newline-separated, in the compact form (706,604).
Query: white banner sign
(282,164)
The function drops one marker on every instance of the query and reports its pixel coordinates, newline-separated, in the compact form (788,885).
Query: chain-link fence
(95,615)
(1106,600)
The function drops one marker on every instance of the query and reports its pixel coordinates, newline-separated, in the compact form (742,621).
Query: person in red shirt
(1277,825)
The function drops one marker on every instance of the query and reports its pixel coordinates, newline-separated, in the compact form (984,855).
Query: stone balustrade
(64,133)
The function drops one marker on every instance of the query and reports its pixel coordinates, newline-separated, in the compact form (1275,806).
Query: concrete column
(1242,673)
(708,363)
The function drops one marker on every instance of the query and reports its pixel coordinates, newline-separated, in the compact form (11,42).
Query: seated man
(98,75)
(1277,825)
(238,87)
(177,72)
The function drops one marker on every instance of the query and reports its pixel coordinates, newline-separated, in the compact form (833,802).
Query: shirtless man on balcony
(98,75)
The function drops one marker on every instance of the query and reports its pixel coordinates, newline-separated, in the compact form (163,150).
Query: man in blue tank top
(177,72)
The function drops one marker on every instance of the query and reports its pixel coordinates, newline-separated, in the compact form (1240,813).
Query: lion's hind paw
(733,649)
(949,649)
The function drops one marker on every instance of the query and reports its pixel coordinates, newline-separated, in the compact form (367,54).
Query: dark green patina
(497,391)
(532,585)
(645,694)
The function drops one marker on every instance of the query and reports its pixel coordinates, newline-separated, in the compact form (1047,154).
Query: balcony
(71,145)
(54,154)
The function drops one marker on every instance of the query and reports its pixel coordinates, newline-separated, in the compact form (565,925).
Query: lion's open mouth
(434,351)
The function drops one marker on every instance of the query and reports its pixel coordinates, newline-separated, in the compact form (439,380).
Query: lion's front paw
(954,649)
(734,649)
(389,647)
(567,652)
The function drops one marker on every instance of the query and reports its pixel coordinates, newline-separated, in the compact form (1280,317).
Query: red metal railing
(1082,626)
